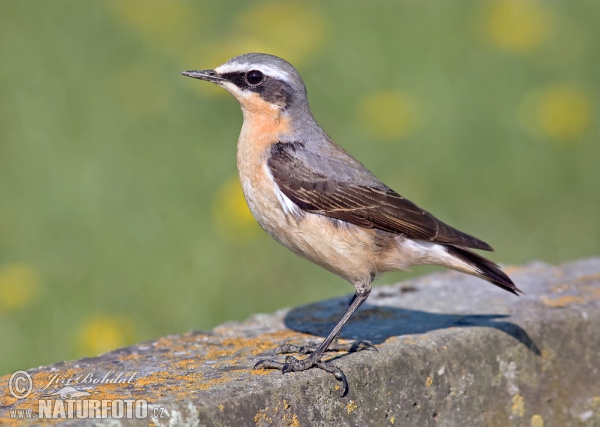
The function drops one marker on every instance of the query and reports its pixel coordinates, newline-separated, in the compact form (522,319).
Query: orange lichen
(291,420)
(351,406)
(560,288)
(261,417)
(187,363)
(562,301)
(594,293)
(210,383)
(254,345)
(511,269)
(278,415)
(130,357)
(589,278)
(285,334)
(262,371)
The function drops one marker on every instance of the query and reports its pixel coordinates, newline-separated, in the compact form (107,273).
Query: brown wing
(329,188)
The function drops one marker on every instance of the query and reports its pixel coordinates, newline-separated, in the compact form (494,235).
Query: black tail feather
(488,269)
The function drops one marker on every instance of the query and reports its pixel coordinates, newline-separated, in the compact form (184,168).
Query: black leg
(314,360)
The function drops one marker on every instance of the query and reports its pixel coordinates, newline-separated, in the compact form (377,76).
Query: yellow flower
(231,214)
(388,115)
(19,284)
(293,30)
(516,25)
(102,333)
(561,112)
(158,22)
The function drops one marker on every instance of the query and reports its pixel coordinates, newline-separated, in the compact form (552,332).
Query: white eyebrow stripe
(266,69)
(231,68)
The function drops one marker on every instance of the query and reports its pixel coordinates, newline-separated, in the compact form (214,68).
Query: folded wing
(327,186)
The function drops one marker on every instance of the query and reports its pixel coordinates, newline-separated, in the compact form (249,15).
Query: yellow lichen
(537,421)
(548,359)
(596,406)
(518,406)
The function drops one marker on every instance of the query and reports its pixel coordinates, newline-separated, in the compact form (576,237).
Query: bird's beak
(208,75)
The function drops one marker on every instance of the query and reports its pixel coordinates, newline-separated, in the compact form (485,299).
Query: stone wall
(452,351)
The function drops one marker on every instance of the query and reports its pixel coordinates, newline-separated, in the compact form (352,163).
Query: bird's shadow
(378,323)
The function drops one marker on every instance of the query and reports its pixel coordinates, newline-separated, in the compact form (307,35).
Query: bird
(316,199)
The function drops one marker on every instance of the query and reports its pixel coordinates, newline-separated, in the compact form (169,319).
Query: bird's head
(258,81)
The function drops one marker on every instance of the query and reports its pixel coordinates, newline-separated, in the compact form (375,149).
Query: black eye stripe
(237,79)
(270,89)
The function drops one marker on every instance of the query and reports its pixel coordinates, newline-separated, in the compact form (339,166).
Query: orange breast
(264,123)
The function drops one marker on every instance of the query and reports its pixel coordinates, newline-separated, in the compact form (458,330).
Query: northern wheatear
(314,198)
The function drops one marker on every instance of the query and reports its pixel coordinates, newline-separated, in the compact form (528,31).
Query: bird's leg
(292,364)
(311,347)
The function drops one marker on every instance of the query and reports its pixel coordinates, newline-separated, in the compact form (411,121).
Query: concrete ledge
(453,351)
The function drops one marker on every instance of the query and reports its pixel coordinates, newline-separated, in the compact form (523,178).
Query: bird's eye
(254,77)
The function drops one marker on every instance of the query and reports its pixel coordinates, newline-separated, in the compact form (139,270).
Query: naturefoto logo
(75,398)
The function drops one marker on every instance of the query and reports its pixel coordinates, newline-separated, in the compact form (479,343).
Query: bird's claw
(362,345)
(294,365)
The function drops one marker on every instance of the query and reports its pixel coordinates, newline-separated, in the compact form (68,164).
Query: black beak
(208,75)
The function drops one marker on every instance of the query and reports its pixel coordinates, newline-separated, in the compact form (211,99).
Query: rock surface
(452,351)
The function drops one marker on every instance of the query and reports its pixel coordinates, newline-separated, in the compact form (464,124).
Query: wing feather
(325,187)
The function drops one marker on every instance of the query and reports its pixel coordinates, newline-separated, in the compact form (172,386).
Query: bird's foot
(294,365)
(309,348)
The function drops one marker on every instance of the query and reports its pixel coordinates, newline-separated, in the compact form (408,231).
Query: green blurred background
(121,218)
